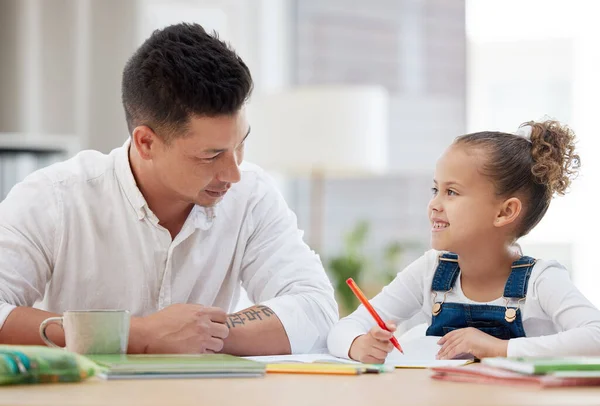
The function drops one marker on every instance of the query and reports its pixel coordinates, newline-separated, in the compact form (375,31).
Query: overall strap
(516,285)
(446,272)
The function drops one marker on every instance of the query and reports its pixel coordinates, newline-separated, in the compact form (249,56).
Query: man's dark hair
(178,72)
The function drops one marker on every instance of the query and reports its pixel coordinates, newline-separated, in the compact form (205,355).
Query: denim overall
(503,322)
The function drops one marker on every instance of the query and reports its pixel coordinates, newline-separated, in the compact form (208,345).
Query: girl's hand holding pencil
(373,347)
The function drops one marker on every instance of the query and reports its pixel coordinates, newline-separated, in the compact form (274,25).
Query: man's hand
(471,341)
(373,347)
(182,328)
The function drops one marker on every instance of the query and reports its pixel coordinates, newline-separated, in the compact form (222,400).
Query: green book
(544,365)
(176,366)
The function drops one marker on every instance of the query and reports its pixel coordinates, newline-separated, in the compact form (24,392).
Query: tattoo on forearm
(255,313)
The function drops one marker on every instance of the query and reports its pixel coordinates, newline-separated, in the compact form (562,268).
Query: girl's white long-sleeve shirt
(558,320)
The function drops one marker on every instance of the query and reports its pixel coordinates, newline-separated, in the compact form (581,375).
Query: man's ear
(509,212)
(145,140)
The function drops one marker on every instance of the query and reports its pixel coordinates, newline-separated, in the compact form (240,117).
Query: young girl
(475,288)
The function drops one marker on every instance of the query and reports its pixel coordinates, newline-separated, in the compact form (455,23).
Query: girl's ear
(509,212)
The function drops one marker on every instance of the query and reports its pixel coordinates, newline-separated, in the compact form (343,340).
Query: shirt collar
(201,217)
(127,181)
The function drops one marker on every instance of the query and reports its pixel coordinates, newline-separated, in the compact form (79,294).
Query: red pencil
(366,303)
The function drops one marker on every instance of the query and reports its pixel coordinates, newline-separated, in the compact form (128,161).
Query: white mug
(92,331)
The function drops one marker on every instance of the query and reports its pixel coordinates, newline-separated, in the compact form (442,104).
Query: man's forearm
(22,327)
(256,331)
(253,331)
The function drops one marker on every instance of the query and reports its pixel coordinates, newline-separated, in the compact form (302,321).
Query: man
(169,225)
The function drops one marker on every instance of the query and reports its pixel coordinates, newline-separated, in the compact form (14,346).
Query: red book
(478,373)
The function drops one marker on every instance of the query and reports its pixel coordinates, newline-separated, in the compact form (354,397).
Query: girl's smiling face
(464,206)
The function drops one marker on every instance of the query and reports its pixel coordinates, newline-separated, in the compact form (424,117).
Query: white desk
(402,387)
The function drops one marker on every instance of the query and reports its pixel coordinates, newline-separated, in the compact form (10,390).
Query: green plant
(392,254)
(353,263)
(350,264)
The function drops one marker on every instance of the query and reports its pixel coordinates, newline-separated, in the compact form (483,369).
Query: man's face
(201,166)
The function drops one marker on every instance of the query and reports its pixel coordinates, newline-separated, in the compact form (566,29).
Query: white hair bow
(525,132)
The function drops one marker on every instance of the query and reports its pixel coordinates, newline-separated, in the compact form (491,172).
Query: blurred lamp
(333,131)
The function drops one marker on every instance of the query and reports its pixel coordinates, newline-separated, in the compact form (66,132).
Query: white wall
(546,61)
(416,50)
(62,60)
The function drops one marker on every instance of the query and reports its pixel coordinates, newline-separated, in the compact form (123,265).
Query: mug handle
(44,326)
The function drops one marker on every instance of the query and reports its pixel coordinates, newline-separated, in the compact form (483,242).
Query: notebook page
(420,353)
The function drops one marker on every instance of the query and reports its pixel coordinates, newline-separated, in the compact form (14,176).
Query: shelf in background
(21,142)
(24,153)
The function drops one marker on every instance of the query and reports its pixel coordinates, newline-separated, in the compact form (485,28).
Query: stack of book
(545,372)
(176,366)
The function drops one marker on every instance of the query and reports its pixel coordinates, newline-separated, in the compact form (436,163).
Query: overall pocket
(494,329)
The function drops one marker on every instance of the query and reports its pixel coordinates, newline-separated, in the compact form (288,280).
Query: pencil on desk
(365,302)
(319,369)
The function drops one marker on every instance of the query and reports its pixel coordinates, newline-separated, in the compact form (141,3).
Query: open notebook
(421,352)
(418,353)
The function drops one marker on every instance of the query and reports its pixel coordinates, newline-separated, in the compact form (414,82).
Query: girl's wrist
(502,348)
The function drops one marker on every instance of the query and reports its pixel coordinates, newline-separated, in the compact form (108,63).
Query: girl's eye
(434,191)
(452,193)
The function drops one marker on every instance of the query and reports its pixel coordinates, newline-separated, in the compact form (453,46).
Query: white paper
(418,353)
(301,358)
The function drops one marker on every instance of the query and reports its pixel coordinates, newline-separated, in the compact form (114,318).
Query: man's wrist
(138,337)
